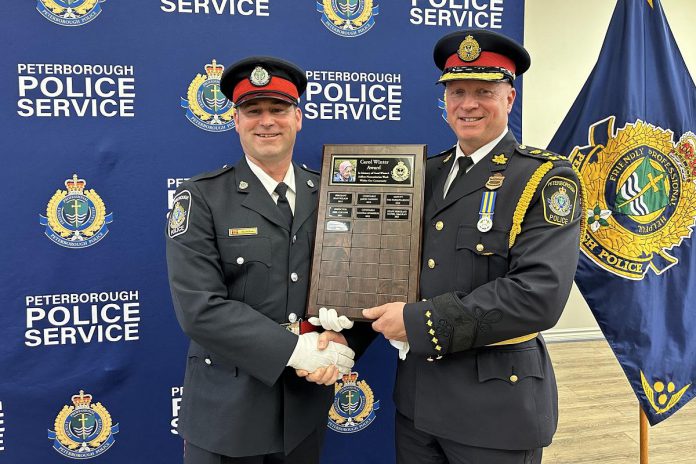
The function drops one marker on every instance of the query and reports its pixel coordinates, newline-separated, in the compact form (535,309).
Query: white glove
(403,348)
(330,320)
(308,357)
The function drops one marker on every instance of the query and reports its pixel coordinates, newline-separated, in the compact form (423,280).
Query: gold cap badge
(469,49)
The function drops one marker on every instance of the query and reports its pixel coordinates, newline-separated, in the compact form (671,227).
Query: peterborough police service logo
(207,108)
(354,405)
(69,12)
(641,196)
(84,430)
(348,18)
(76,218)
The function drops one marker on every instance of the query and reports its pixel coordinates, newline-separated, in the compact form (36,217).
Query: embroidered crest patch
(179,216)
(559,195)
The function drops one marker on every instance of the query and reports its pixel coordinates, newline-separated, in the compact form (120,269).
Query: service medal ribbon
(485,222)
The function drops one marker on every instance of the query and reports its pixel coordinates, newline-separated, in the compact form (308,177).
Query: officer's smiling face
(267,128)
(477,111)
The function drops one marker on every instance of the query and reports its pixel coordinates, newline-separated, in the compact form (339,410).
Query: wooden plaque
(367,246)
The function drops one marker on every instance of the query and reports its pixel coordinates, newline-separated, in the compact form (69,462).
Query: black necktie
(283,205)
(464,163)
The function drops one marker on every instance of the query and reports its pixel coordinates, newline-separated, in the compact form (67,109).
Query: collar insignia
(500,159)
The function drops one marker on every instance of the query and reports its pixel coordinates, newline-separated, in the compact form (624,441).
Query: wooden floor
(599,413)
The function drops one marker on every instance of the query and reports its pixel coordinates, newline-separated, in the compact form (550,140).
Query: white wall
(564,39)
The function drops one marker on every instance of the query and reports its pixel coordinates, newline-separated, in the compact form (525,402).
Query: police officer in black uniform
(500,246)
(238,254)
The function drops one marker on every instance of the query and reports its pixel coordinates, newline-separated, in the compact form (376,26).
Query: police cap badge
(479,55)
(263,77)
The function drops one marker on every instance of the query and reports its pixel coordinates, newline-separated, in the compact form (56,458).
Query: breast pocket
(482,256)
(247,265)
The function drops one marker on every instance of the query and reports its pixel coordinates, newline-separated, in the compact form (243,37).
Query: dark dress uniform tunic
(488,287)
(236,273)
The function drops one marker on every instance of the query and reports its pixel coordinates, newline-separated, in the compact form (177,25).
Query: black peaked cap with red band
(479,55)
(263,77)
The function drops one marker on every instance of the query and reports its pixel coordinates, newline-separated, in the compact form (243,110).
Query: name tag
(244,231)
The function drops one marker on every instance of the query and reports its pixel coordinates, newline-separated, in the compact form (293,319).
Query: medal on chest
(487,209)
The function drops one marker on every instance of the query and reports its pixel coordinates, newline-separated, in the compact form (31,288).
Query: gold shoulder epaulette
(539,153)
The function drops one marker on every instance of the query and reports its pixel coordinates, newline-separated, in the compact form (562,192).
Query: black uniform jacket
(486,287)
(236,273)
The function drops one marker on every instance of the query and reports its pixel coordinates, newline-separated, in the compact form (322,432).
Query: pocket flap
(240,250)
(493,242)
(512,366)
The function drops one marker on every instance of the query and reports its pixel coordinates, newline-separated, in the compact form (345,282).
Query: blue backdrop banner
(105,107)
(630,133)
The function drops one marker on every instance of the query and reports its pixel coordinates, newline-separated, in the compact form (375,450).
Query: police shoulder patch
(558,196)
(179,215)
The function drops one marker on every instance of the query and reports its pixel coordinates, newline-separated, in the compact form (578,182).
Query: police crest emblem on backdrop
(207,108)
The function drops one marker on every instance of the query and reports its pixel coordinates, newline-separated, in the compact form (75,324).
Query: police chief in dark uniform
(238,254)
(501,237)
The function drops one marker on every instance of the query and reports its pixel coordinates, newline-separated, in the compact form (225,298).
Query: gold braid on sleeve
(526,199)
(583,205)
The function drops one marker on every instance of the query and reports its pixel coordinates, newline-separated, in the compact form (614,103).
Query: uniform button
(294,238)
(294,277)
(513,378)
(208,361)
(240,260)
(292,318)
(480,247)
(431,263)
(439,225)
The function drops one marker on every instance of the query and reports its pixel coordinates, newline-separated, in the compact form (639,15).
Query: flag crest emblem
(641,196)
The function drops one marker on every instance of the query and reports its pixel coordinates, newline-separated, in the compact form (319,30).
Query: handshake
(322,358)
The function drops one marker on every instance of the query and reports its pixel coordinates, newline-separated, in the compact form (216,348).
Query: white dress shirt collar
(270,184)
(476,156)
